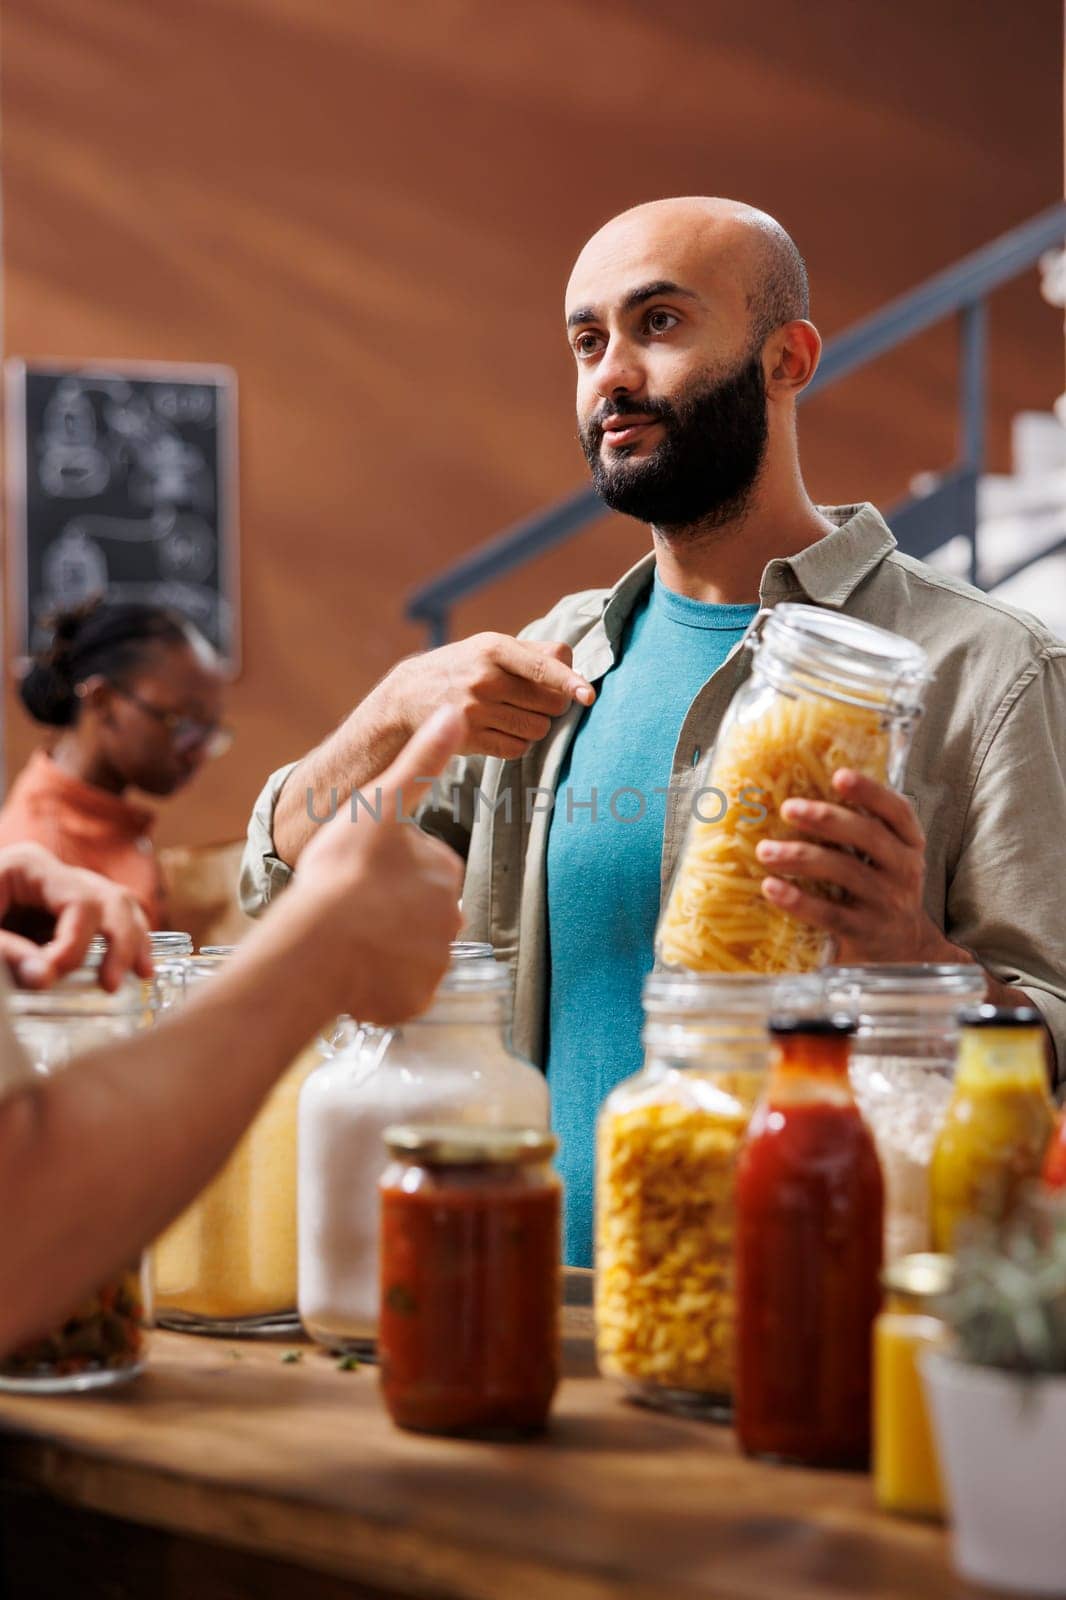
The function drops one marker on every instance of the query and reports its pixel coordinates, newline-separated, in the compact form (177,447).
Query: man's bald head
(685,379)
(720,236)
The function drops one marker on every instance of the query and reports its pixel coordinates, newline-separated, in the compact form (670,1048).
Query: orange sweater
(85,827)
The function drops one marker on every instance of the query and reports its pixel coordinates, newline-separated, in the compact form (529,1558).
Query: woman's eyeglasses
(184,733)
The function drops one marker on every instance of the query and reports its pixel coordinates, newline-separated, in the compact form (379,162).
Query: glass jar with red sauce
(809,1205)
(468,1333)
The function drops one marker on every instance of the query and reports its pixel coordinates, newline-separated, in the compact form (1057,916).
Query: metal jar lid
(466,1145)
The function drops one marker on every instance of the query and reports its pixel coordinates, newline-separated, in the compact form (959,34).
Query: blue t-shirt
(604,869)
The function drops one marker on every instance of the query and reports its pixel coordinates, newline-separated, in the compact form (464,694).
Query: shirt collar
(829,571)
(826,573)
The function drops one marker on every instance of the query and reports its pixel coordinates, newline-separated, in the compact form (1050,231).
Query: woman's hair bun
(48,694)
(48,687)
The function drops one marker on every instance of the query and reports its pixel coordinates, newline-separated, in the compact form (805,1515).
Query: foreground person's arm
(96,1160)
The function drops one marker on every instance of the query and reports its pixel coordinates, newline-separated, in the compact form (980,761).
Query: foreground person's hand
(881,870)
(388,892)
(50,911)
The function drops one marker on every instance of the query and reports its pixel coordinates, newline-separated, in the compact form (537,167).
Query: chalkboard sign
(122,481)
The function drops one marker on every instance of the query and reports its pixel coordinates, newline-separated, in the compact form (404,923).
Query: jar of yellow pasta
(666,1148)
(826,691)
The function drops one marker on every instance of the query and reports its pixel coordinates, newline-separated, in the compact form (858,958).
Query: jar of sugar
(902,1069)
(452,1065)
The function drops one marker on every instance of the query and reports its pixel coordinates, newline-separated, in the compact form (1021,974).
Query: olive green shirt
(986,772)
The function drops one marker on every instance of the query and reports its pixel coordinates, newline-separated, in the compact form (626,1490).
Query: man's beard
(704,469)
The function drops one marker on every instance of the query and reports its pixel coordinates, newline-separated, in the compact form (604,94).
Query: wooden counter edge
(334,1542)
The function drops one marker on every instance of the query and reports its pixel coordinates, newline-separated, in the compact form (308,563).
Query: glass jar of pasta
(666,1150)
(227,1265)
(826,691)
(101,1342)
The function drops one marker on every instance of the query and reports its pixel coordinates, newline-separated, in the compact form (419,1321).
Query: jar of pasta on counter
(227,1265)
(666,1150)
(902,1071)
(102,1341)
(826,691)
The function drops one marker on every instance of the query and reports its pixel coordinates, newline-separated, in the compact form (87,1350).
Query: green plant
(1008,1303)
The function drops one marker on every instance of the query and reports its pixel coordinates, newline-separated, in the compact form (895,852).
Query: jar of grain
(666,1150)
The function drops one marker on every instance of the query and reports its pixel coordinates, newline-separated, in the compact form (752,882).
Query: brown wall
(369,210)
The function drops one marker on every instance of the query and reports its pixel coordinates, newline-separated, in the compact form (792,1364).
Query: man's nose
(619,371)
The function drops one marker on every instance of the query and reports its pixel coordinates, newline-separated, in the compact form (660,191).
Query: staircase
(1021,524)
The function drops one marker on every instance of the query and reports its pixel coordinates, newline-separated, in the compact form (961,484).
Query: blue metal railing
(945,510)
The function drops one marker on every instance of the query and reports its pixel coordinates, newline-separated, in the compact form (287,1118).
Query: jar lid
(464,1145)
(726,994)
(164,942)
(784,1024)
(878,990)
(919,1279)
(217,950)
(470,950)
(168,942)
(989,1016)
(851,660)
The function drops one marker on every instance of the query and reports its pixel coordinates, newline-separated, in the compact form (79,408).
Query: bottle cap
(989,1016)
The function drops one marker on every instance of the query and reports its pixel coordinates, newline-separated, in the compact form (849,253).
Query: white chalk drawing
(74,568)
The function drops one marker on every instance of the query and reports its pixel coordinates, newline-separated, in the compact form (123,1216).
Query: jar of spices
(997,1128)
(452,1064)
(902,1067)
(826,691)
(906,1470)
(102,1342)
(227,1265)
(470,1280)
(666,1151)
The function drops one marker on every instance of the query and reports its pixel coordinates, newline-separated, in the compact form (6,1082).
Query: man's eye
(587,344)
(661,321)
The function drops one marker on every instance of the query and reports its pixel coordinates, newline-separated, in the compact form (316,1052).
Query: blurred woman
(137,694)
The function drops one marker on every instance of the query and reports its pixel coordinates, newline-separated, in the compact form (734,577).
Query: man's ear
(791,355)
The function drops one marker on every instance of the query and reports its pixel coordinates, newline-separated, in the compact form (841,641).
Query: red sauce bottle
(468,1332)
(1055,1160)
(808,1256)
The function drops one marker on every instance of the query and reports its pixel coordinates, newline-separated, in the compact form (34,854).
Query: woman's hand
(49,912)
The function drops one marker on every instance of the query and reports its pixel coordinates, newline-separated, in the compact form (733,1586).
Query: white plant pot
(1002,1447)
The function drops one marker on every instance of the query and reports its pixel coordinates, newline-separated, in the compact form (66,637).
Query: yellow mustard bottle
(998,1123)
(905,1467)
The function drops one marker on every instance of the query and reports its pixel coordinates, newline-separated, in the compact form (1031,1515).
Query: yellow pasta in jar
(717,918)
(664,1243)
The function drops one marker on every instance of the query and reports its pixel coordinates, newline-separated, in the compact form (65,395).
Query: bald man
(688,322)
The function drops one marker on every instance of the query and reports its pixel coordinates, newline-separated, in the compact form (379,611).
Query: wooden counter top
(223,1441)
